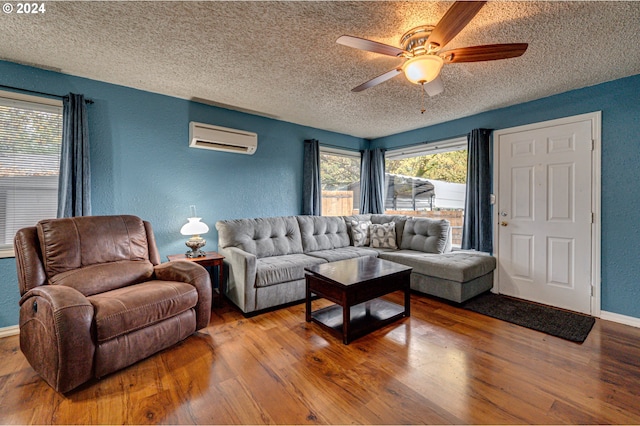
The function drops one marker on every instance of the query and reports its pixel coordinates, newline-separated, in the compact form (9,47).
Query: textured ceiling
(280,59)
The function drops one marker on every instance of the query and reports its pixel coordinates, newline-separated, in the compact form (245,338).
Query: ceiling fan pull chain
(423,93)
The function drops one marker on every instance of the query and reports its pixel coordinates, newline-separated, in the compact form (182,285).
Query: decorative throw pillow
(360,232)
(383,235)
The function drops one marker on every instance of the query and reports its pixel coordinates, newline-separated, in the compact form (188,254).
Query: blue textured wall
(619,102)
(141,163)
(9,294)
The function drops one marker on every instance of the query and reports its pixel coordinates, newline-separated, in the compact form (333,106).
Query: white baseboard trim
(9,331)
(622,319)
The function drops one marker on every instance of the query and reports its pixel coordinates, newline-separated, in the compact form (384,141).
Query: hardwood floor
(442,365)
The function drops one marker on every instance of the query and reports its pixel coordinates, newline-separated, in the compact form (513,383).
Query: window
(340,180)
(30,140)
(428,181)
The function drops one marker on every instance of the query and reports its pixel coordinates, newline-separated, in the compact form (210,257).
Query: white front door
(544,207)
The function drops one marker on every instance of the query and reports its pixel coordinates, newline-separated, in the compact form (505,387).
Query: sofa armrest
(449,246)
(196,275)
(55,335)
(241,277)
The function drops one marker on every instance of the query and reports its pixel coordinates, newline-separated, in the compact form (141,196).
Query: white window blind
(30,140)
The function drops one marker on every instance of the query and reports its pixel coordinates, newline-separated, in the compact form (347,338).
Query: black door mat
(556,322)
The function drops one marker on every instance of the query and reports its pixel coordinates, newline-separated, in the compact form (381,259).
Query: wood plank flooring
(443,365)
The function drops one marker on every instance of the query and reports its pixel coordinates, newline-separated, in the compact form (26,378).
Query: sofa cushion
(360,233)
(262,237)
(383,235)
(76,242)
(105,276)
(354,218)
(280,269)
(323,232)
(426,235)
(456,266)
(131,308)
(397,219)
(343,253)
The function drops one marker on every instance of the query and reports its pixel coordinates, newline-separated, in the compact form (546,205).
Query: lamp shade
(422,69)
(194,227)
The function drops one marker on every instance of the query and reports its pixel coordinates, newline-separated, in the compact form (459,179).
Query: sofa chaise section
(456,276)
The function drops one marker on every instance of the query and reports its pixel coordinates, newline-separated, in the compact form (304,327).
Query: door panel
(522,256)
(560,261)
(522,193)
(561,195)
(544,207)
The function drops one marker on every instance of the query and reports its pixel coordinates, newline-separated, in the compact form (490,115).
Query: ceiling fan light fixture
(422,69)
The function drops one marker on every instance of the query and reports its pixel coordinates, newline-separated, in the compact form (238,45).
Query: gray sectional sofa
(266,257)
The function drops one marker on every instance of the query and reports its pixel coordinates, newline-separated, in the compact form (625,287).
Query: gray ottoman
(456,276)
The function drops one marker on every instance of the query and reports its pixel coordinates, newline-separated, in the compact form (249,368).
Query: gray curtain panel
(74,182)
(477,228)
(311,189)
(372,181)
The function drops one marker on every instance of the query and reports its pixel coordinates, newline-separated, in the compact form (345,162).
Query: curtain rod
(428,142)
(88,101)
(338,147)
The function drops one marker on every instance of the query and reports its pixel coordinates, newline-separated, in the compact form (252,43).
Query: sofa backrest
(94,254)
(323,232)
(427,235)
(277,236)
(262,237)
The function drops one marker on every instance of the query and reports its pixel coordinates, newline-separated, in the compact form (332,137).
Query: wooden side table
(211,259)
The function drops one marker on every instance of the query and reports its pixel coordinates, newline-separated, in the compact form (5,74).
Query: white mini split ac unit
(206,136)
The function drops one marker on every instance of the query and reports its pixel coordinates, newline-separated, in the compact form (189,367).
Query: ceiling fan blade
(377,80)
(434,87)
(488,52)
(369,45)
(454,20)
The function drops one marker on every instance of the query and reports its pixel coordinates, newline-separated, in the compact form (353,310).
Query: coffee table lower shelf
(365,318)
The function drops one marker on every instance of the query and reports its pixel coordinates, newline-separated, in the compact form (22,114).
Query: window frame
(38,103)
(428,148)
(344,152)
(324,149)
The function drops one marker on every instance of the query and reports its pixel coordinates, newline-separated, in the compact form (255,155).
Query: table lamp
(194,228)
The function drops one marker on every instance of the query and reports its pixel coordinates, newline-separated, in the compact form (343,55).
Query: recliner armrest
(55,335)
(196,275)
(28,259)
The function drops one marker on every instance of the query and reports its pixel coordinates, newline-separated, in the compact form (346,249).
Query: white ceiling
(280,59)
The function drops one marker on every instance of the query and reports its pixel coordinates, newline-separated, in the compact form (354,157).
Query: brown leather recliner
(96,299)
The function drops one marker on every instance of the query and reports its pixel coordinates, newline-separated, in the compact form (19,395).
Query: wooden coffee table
(355,285)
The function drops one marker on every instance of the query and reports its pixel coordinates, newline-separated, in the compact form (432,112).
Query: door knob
(503,223)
